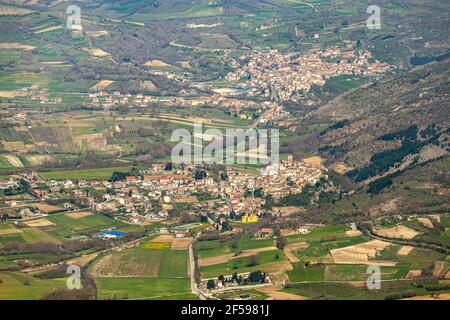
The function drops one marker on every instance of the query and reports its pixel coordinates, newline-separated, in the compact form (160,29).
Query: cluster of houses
(292,75)
(151,194)
(109,100)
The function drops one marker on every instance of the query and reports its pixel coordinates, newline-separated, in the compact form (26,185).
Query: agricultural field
(17,286)
(31,235)
(433,228)
(322,233)
(218,258)
(346,259)
(69,224)
(84,174)
(150,270)
(55,228)
(144,288)
(342,291)
(267,261)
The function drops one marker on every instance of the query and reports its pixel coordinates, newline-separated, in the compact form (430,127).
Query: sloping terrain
(390,123)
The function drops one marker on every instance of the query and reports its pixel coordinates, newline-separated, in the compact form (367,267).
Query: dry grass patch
(435,217)
(46,207)
(81,261)
(400,231)
(6,10)
(271,267)
(39,223)
(340,168)
(148,85)
(79,214)
(15,45)
(187,199)
(14,145)
(185,64)
(128,264)
(274,293)
(353,233)
(38,160)
(224,258)
(14,161)
(103,84)
(97,33)
(93,141)
(52,62)
(440,269)
(425,222)
(404,250)
(163,238)
(8,94)
(48,29)
(4,232)
(291,249)
(360,253)
(314,161)
(439,296)
(156,63)
(181,243)
(412,274)
(96,52)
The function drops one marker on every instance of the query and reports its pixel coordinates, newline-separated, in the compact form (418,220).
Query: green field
(301,273)
(67,226)
(267,261)
(12,286)
(341,291)
(319,251)
(142,288)
(211,248)
(84,174)
(143,273)
(29,235)
(4,164)
(247,243)
(433,235)
(322,233)
(190,226)
(144,263)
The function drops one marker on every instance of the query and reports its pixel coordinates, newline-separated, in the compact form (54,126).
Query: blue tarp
(112,233)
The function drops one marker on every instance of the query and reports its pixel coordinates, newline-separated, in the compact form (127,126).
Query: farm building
(180,233)
(264,232)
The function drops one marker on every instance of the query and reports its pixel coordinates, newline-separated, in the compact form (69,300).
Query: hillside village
(289,76)
(150,195)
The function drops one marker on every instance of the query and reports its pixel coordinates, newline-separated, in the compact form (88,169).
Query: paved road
(194,287)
